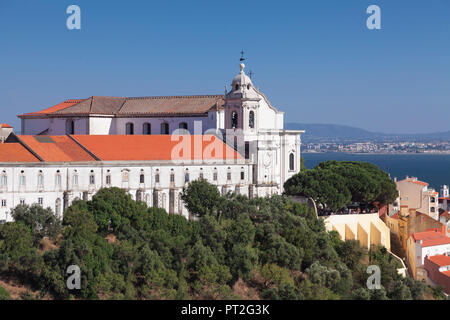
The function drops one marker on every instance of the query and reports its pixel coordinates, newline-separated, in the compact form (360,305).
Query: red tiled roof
(396,216)
(116,148)
(418,182)
(55,108)
(431,238)
(168,105)
(447,273)
(15,152)
(5,125)
(56,148)
(441,260)
(156,147)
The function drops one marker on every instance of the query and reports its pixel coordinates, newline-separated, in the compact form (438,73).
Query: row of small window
(129,127)
(22,179)
(22,202)
(147,128)
(125,177)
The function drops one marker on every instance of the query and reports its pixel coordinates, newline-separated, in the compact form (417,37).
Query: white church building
(150,146)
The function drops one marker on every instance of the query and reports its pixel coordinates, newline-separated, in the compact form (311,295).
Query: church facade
(116,141)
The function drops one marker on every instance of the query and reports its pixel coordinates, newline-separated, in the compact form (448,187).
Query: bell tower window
(251,119)
(291,162)
(234,120)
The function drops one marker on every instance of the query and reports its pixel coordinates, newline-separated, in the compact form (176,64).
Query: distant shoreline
(381,153)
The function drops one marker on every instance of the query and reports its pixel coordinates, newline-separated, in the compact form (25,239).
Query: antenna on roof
(242,56)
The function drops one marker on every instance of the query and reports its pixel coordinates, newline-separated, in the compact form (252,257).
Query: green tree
(42,222)
(201,197)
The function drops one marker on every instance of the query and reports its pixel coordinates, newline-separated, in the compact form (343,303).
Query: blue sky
(315,59)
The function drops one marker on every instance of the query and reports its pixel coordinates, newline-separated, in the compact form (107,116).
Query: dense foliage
(335,184)
(271,247)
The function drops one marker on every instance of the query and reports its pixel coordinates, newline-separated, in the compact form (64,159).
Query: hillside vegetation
(268,248)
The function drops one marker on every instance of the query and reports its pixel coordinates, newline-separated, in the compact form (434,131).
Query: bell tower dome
(241,103)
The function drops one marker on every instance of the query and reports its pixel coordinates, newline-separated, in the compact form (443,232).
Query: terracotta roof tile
(169,105)
(15,152)
(5,125)
(431,238)
(56,148)
(55,108)
(441,260)
(156,147)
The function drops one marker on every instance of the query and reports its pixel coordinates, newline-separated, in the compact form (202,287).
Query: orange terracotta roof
(55,108)
(418,182)
(447,273)
(157,147)
(5,125)
(440,259)
(15,152)
(396,216)
(56,148)
(431,238)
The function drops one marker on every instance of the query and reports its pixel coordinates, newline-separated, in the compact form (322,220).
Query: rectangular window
(75,180)
(142,178)
(91,179)
(22,180)
(58,180)
(201,175)
(242,175)
(157,178)
(172,178)
(41,201)
(228,175)
(108,179)
(22,201)
(186,177)
(4,181)
(3,203)
(40,180)
(215,176)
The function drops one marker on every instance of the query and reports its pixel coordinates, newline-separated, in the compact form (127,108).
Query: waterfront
(431,168)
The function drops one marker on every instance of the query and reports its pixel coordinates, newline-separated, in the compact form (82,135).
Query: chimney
(5,131)
(403,210)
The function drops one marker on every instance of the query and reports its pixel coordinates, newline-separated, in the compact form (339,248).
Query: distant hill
(334,132)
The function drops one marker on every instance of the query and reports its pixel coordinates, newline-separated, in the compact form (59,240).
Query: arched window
(58,179)
(4,180)
(184,127)
(234,120)
(70,126)
(186,176)
(92,178)
(147,128)
(75,179)
(251,119)
(142,177)
(157,176)
(40,179)
(291,162)
(125,175)
(164,128)
(129,128)
(22,179)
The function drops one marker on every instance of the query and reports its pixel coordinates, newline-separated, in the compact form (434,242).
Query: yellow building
(369,229)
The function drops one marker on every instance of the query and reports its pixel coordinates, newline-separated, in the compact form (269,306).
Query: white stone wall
(51,193)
